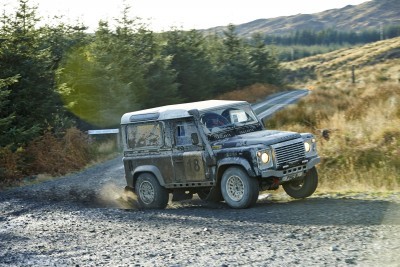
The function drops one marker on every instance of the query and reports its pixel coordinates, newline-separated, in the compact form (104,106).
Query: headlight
(307,147)
(263,156)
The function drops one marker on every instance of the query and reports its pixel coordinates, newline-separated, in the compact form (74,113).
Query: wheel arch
(225,163)
(145,169)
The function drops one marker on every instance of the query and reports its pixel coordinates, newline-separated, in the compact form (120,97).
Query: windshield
(224,119)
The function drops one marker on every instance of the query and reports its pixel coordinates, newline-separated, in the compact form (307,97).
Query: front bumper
(297,170)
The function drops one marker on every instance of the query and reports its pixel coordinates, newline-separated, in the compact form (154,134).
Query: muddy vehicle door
(187,153)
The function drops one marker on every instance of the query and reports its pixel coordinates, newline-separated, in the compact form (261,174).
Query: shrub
(58,156)
(9,169)
(46,155)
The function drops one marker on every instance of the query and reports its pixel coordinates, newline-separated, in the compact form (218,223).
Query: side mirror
(195,139)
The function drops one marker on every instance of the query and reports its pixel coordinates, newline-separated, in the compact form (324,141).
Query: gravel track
(85,219)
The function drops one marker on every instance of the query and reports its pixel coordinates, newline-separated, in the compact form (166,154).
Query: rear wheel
(151,195)
(304,187)
(238,188)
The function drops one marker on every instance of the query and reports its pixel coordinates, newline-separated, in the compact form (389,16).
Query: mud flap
(214,195)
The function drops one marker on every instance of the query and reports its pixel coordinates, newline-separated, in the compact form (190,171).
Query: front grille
(289,152)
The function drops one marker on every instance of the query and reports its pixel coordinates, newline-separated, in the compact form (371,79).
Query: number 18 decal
(193,165)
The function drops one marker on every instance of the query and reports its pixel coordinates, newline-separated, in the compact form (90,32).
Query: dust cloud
(108,196)
(114,196)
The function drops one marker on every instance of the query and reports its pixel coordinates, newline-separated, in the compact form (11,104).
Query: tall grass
(363,119)
(362,151)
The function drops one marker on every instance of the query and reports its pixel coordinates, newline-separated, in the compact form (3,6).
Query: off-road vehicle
(217,149)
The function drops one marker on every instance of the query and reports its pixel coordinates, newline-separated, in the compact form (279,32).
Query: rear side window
(146,135)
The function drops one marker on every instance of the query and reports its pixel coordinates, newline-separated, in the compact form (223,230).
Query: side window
(144,135)
(183,133)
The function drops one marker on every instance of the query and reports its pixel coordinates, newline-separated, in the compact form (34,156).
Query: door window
(183,133)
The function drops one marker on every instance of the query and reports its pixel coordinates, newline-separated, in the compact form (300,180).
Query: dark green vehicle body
(188,148)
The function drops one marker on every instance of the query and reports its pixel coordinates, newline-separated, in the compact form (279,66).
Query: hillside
(372,62)
(361,120)
(368,15)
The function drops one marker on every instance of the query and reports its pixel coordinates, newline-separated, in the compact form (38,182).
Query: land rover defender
(217,149)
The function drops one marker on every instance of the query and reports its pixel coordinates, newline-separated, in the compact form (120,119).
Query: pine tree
(196,75)
(31,99)
(160,86)
(265,66)
(98,81)
(6,118)
(234,65)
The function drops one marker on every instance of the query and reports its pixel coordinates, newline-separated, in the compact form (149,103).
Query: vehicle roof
(175,111)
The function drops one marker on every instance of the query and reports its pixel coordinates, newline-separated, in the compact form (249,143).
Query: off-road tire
(238,189)
(151,195)
(303,188)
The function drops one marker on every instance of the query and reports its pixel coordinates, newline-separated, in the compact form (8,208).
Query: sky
(161,15)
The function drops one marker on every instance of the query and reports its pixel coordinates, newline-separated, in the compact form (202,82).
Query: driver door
(187,156)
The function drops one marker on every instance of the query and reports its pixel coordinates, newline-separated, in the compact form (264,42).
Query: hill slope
(361,150)
(379,59)
(371,14)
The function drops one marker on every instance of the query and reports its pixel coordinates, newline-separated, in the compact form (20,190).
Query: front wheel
(304,187)
(238,189)
(151,195)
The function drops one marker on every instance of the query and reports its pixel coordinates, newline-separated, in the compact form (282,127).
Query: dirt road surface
(84,219)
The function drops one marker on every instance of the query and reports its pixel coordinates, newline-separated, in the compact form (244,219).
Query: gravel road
(85,220)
